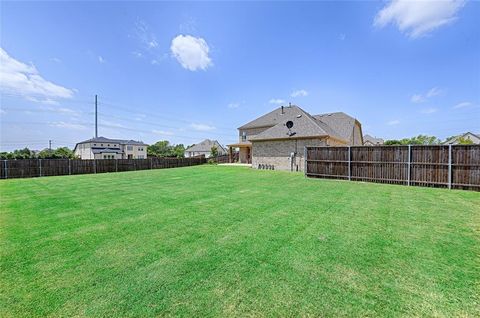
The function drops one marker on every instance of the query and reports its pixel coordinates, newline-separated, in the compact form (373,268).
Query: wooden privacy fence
(449,166)
(28,168)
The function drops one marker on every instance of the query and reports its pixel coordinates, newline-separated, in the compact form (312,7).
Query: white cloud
(430,110)
(342,36)
(62,124)
(417,98)
(462,105)
(435,91)
(137,54)
(2,112)
(162,132)
(420,98)
(277,101)
(56,60)
(101,59)
(19,78)
(418,18)
(152,44)
(146,37)
(233,105)
(393,122)
(191,52)
(111,124)
(202,127)
(299,93)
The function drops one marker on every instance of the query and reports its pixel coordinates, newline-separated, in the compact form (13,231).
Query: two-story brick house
(267,141)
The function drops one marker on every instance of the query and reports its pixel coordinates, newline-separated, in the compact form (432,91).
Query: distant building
(204,148)
(372,141)
(105,148)
(475,138)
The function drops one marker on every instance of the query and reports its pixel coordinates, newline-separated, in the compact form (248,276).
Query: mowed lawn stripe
(230,241)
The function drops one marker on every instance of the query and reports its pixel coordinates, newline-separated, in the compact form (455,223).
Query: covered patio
(240,152)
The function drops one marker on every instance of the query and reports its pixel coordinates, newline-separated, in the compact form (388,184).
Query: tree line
(425,140)
(161,148)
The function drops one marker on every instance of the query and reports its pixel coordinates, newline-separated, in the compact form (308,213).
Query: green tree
(63,153)
(214,151)
(464,141)
(418,140)
(179,151)
(24,153)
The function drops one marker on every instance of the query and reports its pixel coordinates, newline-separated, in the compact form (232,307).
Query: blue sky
(189,71)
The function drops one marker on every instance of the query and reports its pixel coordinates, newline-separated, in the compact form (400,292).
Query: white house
(204,148)
(105,148)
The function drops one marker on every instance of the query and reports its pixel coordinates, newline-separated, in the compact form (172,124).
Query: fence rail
(449,166)
(29,168)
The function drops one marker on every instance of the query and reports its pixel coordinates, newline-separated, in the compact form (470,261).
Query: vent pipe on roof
(282,110)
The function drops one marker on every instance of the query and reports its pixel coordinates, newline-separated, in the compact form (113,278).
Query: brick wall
(277,153)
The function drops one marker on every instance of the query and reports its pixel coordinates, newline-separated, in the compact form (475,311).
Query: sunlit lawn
(229,241)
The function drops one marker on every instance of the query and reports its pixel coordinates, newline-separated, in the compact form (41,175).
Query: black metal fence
(29,168)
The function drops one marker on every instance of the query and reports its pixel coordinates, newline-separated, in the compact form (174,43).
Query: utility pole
(50,146)
(96,118)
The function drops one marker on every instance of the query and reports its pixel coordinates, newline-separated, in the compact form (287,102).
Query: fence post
(151,163)
(134,165)
(349,164)
(6,168)
(305,161)
(116,164)
(94,165)
(409,166)
(449,166)
(40,167)
(69,166)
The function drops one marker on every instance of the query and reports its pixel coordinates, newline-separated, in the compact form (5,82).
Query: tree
(160,149)
(418,140)
(163,148)
(179,151)
(214,151)
(464,141)
(63,153)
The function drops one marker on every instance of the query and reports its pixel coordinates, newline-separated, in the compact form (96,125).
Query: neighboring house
(475,138)
(204,148)
(372,141)
(266,141)
(105,148)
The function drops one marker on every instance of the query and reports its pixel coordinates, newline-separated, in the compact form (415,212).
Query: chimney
(282,110)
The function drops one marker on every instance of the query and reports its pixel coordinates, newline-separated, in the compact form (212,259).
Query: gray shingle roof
(338,125)
(116,141)
(373,140)
(304,125)
(206,146)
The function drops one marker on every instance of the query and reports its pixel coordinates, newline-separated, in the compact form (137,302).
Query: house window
(108,145)
(244,136)
(101,145)
(104,156)
(94,144)
(140,156)
(129,147)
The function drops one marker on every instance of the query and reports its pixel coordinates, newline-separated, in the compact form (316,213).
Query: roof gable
(205,146)
(274,117)
(304,125)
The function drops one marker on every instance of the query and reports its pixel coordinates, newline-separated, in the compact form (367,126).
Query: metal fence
(29,168)
(449,166)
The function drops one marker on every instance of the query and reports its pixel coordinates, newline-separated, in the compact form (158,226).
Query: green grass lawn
(229,241)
